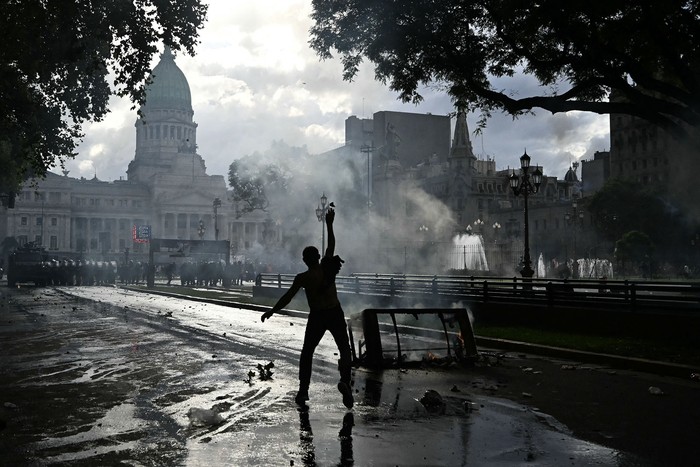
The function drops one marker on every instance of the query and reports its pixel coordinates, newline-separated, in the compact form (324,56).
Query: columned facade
(167,187)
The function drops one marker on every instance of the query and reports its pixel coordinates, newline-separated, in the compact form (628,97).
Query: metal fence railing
(651,296)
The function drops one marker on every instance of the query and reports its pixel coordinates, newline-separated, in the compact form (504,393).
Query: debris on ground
(265,371)
(251,375)
(654,391)
(433,402)
(568,367)
(204,417)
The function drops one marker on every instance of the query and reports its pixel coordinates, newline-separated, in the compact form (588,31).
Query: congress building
(167,189)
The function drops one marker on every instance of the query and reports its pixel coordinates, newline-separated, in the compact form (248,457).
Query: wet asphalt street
(105,376)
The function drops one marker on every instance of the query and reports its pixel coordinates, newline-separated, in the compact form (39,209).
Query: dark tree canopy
(643,54)
(255,181)
(622,206)
(56,64)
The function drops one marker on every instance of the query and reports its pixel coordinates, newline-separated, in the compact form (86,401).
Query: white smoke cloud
(255,80)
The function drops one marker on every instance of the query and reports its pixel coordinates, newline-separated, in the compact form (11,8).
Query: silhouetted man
(325,313)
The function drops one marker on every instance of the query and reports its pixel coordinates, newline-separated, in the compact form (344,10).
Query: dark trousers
(319,322)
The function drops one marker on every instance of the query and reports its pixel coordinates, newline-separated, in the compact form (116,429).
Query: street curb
(616,361)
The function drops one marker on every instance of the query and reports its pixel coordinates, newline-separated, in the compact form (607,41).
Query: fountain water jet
(468,253)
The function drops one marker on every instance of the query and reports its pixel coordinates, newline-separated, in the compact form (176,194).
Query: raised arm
(284,299)
(330,217)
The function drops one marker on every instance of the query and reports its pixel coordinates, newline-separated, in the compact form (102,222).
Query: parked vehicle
(28,264)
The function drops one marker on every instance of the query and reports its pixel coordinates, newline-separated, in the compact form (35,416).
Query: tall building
(167,188)
(476,193)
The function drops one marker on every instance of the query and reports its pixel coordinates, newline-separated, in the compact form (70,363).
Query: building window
(54,222)
(23,221)
(22,240)
(39,220)
(37,239)
(54,197)
(122,244)
(53,242)
(38,196)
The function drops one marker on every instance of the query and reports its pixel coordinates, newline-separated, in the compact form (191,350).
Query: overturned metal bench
(398,337)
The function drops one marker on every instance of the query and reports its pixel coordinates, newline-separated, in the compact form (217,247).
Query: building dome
(169,89)
(571,176)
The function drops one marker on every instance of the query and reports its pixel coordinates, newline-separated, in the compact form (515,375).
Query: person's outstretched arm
(284,299)
(330,217)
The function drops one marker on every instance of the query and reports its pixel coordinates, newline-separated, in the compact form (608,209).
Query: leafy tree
(55,67)
(622,206)
(254,181)
(637,248)
(644,54)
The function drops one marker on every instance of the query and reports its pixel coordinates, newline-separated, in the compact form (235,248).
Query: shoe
(345,390)
(301,397)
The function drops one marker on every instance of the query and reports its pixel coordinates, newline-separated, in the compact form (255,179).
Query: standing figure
(325,314)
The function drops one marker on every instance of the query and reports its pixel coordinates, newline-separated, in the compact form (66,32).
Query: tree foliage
(56,64)
(634,246)
(623,206)
(255,181)
(645,54)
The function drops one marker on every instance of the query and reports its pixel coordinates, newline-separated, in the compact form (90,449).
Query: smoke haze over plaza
(255,80)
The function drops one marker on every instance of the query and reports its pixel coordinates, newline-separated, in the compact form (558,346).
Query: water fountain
(468,253)
(594,268)
(541,269)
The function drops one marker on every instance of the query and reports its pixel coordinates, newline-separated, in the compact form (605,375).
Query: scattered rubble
(204,417)
(433,402)
(654,391)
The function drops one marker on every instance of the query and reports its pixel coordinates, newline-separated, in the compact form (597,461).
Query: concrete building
(167,188)
(477,194)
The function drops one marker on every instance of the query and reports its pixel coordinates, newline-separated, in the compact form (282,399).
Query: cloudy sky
(255,79)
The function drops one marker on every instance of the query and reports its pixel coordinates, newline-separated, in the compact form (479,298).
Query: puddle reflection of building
(306,439)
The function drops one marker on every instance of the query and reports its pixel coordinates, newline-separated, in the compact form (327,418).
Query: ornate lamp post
(201,229)
(526,184)
(496,228)
(321,211)
(216,204)
(574,218)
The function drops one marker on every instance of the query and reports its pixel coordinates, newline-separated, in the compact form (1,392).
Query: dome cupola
(168,89)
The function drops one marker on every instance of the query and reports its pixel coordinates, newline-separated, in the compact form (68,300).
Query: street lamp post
(217,205)
(201,230)
(321,211)
(574,218)
(526,184)
(496,228)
